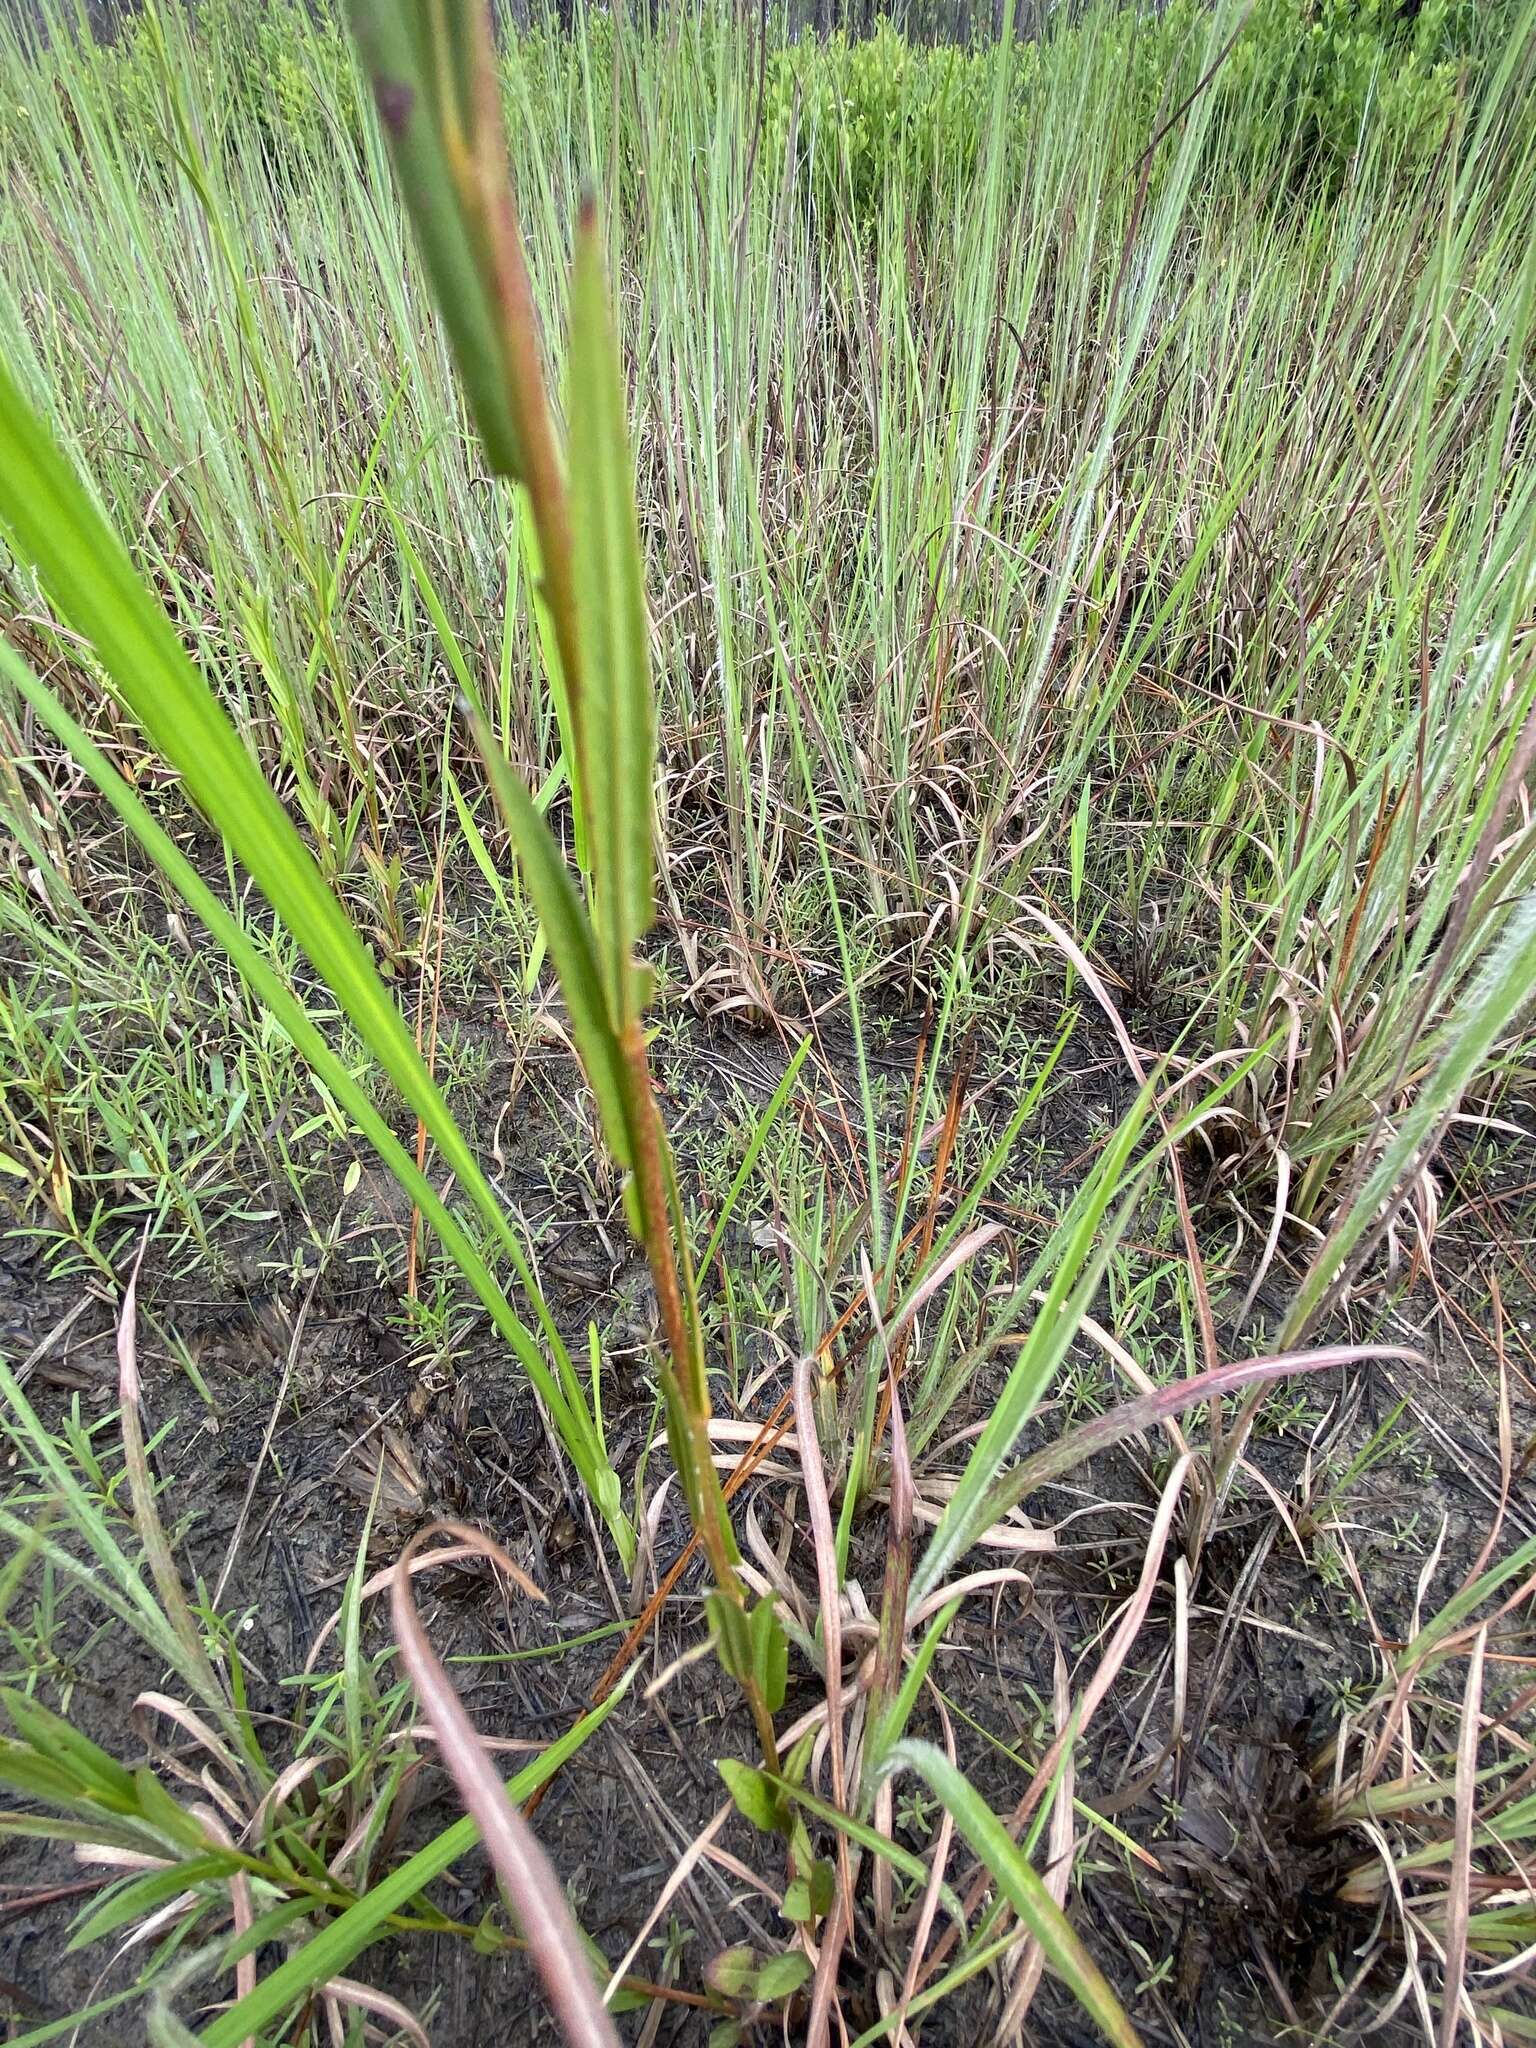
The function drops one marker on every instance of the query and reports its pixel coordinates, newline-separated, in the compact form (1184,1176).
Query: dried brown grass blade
(1458,1899)
(536,1893)
(378,2003)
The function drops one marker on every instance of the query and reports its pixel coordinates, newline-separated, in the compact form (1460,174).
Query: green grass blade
(1079,1264)
(614,713)
(1496,998)
(568,933)
(421,105)
(1021,1884)
(753,1153)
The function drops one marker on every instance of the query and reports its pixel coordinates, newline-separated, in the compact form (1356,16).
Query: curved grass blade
(520,1861)
(1116,1424)
(1079,1264)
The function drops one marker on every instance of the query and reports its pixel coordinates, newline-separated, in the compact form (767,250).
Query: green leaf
(1079,1254)
(734,1971)
(1500,991)
(46,1827)
(742,1973)
(141,1895)
(164,1814)
(770,1653)
(613,709)
(728,1626)
(808,1899)
(571,944)
(266,1927)
(53,524)
(753,1153)
(73,2024)
(417,59)
(797,1901)
(782,1976)
(1020,1884)
(754,1795)
(40,1777)
(53,1738)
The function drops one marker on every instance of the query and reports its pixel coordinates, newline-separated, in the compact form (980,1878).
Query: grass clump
(909,751)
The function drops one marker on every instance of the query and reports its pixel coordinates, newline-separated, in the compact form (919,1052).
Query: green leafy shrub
(283,69)
(1318,78)
(861,115)
(1307,86)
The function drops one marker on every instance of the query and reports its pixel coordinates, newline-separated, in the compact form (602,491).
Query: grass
(1031,595)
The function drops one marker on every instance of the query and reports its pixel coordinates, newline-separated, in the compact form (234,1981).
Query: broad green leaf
(47,1827)
(808,1899)
(770,1653)
(731,1629)
(754,1794)
(161,1812)
(741,1972)
(781,1976)
(733,1971)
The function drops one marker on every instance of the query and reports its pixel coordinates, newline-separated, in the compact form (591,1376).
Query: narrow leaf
(1020,1884)
(613,707)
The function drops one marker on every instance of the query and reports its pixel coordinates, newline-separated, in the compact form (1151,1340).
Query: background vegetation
(1086,509)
